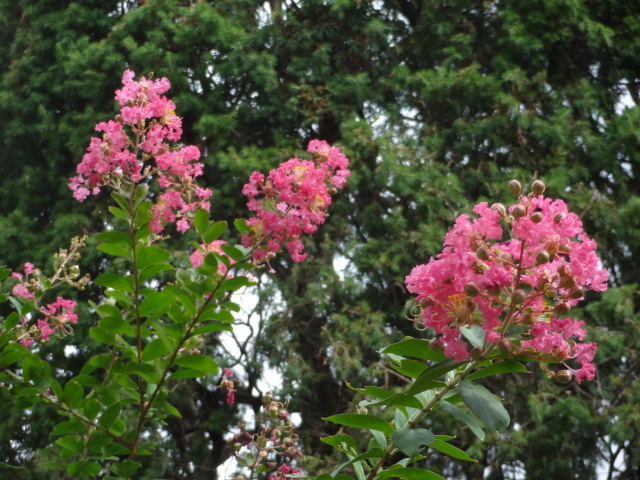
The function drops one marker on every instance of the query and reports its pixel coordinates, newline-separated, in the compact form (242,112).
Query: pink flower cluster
(114,159)
(227,383)
(197,257)
(534,277)
(25,289)
(292,199)
(56,317)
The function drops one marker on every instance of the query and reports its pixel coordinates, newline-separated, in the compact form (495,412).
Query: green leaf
(410,473)
(410,368)
(423,382)
(198,362)
(119,213)
(484,405)
(117,282)
(373,453)
(241,226)
(117,325)
(232,252)
(145,371)
(342,442)
(152,271)
(235,283)
(411,440)
(463,416)
(12,353)
(212,327)
(115,237)
(12,320)
(156,301)
(73,443)
(125,469)
(92,408)
(84,468)
(4,273)
(474,334)
(186,373)
(155,348)
(497,368)
(201,221)
(214,232)
(110,415)
(147,256)
(73,393)
(414,347)
(367,422)
(450,450)
(98,440)
(140,194)
(71,426)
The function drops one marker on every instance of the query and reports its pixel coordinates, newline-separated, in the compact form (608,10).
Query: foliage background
(438,104)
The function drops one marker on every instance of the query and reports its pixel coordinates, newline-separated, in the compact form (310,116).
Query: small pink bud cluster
(527,281)
(57,316)
(197,257)
(113,160)
(275,440)
(292,200)
(227,383)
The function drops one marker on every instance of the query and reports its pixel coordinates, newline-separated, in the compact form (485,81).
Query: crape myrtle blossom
(197,257)
(139,134)
(292,200)
(529,278)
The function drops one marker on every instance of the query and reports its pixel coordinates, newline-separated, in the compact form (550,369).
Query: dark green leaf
(110,415)
(497,368)
(73,393)
(155,348)
(484,405)
(232,252)
(414,347)
(115,236)
(241,226)
(463,416)
(373,453)
(411,440)
(198,362)
(125,469)
(117,282)
(115,250)
(201,221)
(147,256)
(367,422)
(152,271)
(409,473)
(450,450)
(423,382)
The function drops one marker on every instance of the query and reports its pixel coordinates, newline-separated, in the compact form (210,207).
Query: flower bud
(471,289)
(564,248)
(435,344)
(567,282)
(538,187)
(562,308)
(475,353)
(542,257)
(506,257)
(528,320)
(519,211)
(576,292)
(482,253)
(332,190)
(296,187)
(426,302)
(536,217)
(515,187)
(557,218)
(563,376)
(518,297)
(498,207)
(505,346)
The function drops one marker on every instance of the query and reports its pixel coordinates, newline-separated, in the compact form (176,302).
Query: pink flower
(197,258)
(474,278)
(291,201)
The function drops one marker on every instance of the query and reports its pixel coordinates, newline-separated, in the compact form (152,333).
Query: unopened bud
(576,292)
(563,376)
(475,353)
(567,282)
(538,187)
(296,187)
(506,257)
(515,187)
(542,257)
(505,346)
(519,211)
(435,344)
(498,207)
(528,320)
(564,269)
(536,217)
(518,297)
(483,253)
(426,302)
(562,308)
(332,190)
(558,217)
(471,289)
(564,248)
